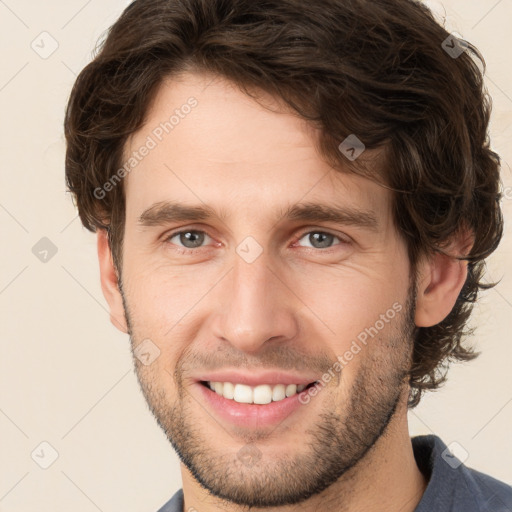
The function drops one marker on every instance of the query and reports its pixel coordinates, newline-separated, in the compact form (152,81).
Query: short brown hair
(379,69)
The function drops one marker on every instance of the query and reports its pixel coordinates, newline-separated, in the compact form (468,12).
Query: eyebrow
(313,212)
(167,212)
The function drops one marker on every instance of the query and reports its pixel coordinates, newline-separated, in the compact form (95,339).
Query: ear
(109,282)
(441,278)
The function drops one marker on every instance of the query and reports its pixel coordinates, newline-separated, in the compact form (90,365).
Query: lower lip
(250,415)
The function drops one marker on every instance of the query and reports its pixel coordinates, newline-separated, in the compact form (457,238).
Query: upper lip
(255,379)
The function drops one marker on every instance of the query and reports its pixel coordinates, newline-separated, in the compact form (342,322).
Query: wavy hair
(380,69)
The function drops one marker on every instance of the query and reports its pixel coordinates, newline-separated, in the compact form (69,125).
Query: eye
(189,239)
(320,239)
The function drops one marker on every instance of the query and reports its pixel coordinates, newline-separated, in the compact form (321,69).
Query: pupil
(193,237)
(320,238)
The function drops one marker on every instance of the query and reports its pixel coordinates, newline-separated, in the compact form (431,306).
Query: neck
(387,479)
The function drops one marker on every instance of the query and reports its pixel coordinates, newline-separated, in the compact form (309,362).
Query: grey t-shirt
(452,487)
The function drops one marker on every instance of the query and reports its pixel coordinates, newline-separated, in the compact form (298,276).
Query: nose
(256,305)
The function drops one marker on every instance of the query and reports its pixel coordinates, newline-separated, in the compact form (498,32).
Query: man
(293,202)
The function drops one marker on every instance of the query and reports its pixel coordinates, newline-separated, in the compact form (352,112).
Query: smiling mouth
(261,394)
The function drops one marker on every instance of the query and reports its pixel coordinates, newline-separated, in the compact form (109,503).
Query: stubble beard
(333,443)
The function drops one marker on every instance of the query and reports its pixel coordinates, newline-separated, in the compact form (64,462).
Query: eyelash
(185,250)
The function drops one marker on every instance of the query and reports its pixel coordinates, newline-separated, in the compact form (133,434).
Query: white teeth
(262,394)
(291,389)
(243,394)
(229,390)
(278,393)
(219,387)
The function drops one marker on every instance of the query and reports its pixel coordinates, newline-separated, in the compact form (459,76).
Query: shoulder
(175,504)
(493,494)
(454,487)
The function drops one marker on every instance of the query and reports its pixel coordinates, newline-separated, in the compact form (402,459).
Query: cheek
(160,294)
(348,303)
(165,305)
(362,317)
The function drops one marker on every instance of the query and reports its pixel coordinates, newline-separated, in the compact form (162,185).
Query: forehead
(208,140)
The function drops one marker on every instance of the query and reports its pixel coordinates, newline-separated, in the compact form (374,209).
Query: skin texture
(296,307)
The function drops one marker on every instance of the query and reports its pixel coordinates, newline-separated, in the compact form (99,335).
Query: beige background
(66,374)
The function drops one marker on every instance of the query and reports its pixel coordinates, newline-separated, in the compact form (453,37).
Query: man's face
(252,295)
